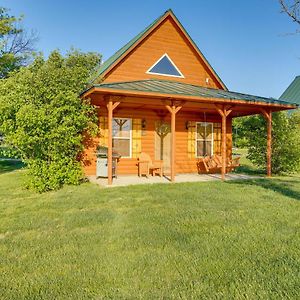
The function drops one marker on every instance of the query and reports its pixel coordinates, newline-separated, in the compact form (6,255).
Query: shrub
(43,117)
(285,141)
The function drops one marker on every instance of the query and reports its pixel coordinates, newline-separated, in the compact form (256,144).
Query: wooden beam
(109,144)
(110,105)
(224,146)
(115,105)
(228,112)
(173,110)
(269,146)
(178,109)
(169,108)
(268,116)
(265,113)
(224,113)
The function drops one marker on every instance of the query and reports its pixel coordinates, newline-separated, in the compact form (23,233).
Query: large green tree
(42,115)
(16,45)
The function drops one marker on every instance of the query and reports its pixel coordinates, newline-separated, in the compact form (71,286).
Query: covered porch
(178,103)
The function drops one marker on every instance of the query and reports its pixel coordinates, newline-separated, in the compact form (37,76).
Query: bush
(43,117)
(285,141)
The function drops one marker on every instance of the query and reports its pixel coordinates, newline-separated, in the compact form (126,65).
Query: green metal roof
(292,93)
(136,39)
(178,88)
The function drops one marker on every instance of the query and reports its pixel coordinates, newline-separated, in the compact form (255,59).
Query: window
(121,132)
(204,139)
(165,66)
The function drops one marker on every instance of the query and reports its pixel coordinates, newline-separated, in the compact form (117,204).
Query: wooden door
(163,145)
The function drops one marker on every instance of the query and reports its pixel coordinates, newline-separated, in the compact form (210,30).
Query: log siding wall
(184,163)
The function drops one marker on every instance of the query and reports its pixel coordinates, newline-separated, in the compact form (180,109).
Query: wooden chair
(147,166)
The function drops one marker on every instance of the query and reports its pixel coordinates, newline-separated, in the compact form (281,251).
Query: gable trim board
(121,54)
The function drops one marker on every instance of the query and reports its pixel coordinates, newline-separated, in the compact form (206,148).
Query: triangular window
(165,66)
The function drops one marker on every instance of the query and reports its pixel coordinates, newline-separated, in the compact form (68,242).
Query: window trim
(168,75)
(126,138)
(212,138)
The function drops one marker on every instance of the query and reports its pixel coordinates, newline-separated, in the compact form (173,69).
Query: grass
(215,240)
(247,167)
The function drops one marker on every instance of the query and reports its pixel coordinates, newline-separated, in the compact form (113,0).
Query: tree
(285,142)
(239,134)
(16,45)
(292,9)
(42,115)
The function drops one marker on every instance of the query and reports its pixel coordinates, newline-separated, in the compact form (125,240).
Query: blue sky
(248,43)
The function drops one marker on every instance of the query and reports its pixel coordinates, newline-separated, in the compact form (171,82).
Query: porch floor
(125,180)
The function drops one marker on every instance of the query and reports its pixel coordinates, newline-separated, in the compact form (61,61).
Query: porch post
(268,117)
(110,107)
(224,113)
(173,111)
(224,146)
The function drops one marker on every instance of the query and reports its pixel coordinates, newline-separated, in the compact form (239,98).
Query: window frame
(206,140)
(125,138)
(161,74)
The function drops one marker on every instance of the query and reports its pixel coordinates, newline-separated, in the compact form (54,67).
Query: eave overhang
(112,89)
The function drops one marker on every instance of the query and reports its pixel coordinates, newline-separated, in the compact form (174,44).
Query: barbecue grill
(102,162)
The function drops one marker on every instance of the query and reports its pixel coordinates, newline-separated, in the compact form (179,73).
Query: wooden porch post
(110,107)
(224,113)
(173,111)
(268,116)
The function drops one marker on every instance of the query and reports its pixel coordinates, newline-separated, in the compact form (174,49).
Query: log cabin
(159,95)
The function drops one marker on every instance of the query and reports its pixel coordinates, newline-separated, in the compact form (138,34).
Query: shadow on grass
(281,186)
(250,170)
(9,165)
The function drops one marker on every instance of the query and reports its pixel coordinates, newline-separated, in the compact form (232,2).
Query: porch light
(188,124)
(144,124)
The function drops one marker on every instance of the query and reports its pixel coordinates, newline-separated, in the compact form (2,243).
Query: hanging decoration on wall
(162,129)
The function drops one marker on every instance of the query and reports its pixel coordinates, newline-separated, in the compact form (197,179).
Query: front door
(163,144)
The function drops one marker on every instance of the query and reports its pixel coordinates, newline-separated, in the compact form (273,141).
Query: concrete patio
(126,180)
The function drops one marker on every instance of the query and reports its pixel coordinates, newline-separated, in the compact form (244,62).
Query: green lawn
(246,165)
(232,240)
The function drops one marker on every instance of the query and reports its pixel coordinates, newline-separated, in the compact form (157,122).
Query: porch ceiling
(136,94)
